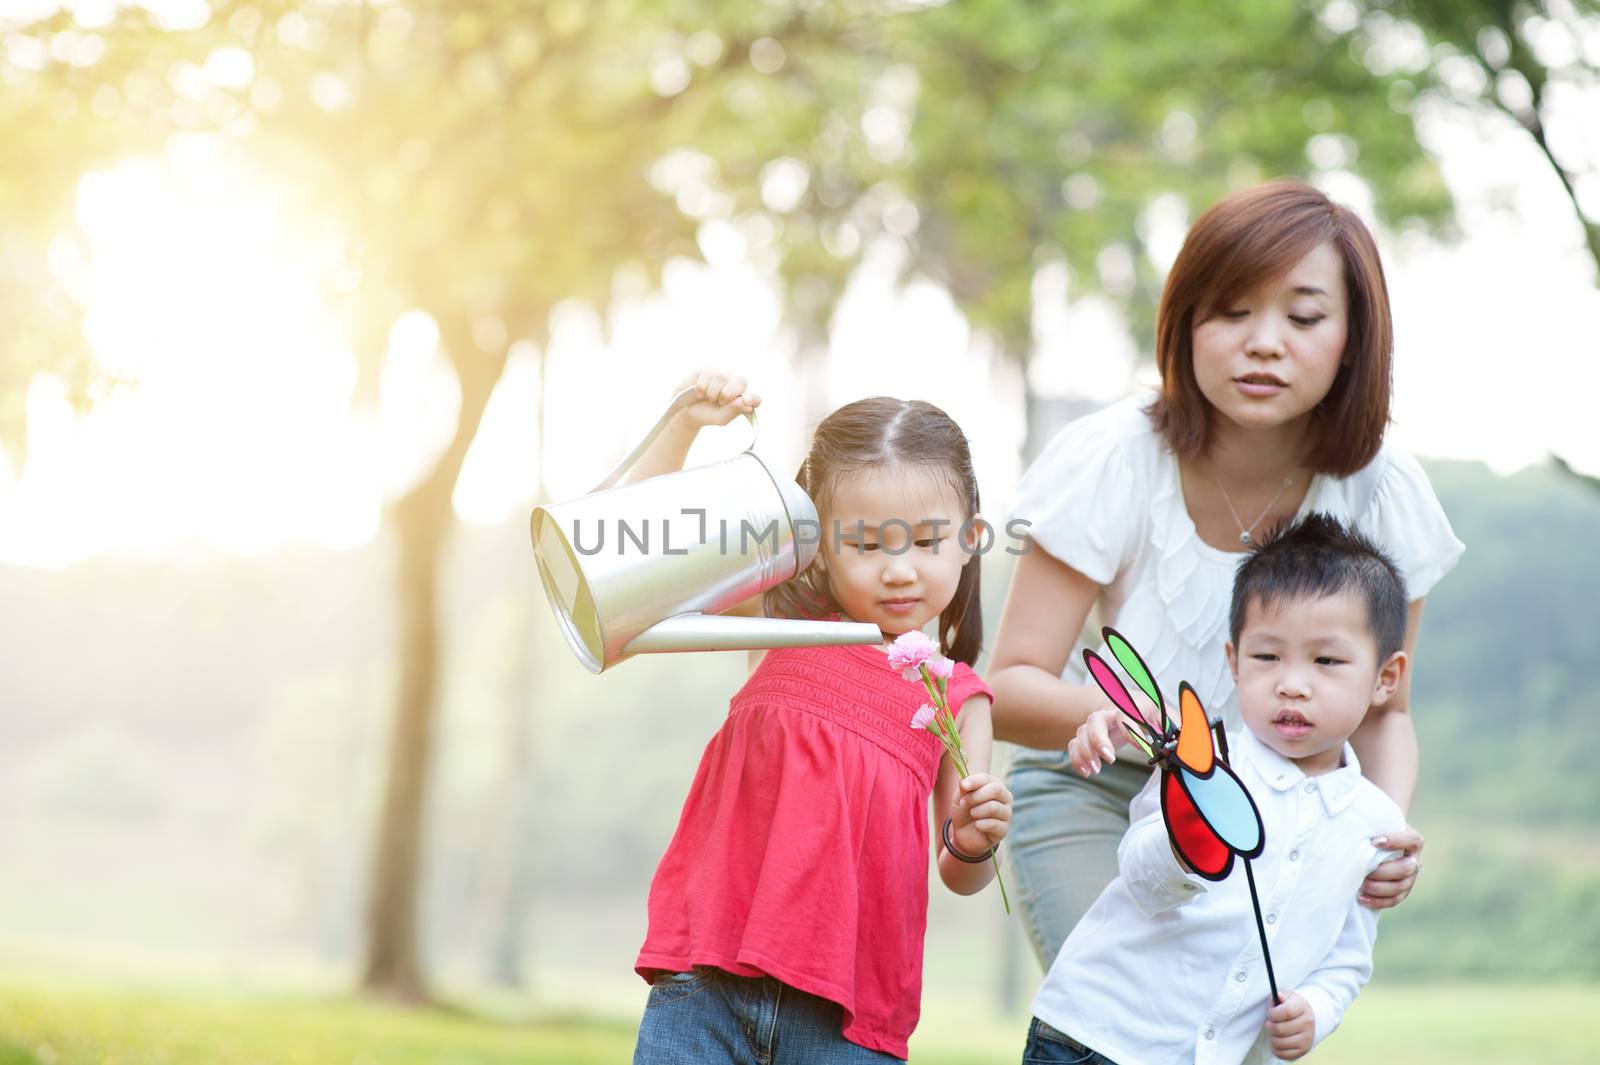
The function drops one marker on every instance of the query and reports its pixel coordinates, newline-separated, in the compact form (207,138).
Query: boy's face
(1307,670)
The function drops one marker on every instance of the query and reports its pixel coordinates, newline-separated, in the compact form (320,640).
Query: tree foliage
(1519,59)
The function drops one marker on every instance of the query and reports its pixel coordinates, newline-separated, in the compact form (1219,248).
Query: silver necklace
(1245,531)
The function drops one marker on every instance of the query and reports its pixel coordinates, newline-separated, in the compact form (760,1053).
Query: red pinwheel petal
(1199,846)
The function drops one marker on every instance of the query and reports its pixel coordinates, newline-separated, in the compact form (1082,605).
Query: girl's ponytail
(961,623)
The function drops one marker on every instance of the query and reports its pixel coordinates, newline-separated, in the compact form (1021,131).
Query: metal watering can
(647,567)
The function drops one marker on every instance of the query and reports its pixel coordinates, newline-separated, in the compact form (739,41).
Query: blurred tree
(480,162)
(1517,58)
(990,137)
(52,134)
(486,161)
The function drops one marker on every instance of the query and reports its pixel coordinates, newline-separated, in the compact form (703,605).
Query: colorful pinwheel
(1209,814)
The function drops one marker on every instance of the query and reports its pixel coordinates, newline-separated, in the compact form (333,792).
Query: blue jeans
(707,1016)
(1064,835)
(1046,1046)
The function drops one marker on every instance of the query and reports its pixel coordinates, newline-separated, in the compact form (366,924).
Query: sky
(242,434)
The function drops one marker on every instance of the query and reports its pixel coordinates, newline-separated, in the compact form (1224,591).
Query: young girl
(787,915)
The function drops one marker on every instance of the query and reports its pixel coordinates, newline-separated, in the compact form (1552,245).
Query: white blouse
(1105,498)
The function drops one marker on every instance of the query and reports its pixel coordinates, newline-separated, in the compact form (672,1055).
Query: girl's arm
(980,807)
(1386,743)
(722,399)
(975,726)
(1045,609)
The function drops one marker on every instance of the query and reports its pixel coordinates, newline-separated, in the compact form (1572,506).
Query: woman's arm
(1386,743)
(1045,610)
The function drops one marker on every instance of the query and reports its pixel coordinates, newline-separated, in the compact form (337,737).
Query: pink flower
(940,667)
(911,649)
(923,717)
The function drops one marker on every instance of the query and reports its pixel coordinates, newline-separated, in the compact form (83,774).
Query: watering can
(648,567)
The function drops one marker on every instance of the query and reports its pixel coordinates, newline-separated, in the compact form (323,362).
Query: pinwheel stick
(1250,877)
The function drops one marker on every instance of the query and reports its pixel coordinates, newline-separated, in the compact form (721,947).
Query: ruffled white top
(1105,497)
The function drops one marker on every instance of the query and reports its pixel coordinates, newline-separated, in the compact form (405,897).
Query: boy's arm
(1155,878)
(1334,984)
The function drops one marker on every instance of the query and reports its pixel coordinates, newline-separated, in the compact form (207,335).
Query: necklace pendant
(1244,538)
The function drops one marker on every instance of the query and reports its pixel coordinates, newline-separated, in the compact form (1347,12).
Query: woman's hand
(1390,883)
(982,814)
(1097,741)
(722,399)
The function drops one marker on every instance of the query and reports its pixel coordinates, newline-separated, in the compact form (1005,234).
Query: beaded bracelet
(949,845)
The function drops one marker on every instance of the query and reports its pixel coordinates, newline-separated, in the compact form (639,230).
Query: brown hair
(877,432)
(1242,240)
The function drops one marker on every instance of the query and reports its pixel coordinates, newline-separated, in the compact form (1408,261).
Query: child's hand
(722,399)
(1097,741)
(1291,1026)
(982,814)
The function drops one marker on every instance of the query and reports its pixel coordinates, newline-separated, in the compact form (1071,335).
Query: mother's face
(1268,357)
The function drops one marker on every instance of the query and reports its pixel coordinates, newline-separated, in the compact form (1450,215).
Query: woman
(1273,341)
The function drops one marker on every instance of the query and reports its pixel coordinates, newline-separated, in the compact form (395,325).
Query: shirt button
(1239,976)
(1272,918)
(1188,887)
(1294,856)
(1311,785)
(1211,1033)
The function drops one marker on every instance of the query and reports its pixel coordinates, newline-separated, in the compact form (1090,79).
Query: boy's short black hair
(1316,557)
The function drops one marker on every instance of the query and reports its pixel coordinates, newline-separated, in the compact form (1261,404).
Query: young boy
(1166,966)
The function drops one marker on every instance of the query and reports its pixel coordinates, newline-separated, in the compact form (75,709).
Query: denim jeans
(1063,842)
(1046,1046)
(709,1016)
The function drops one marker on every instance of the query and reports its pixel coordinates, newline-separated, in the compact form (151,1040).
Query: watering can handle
(682,400)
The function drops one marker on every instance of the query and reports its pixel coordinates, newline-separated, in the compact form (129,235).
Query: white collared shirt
(1166,966)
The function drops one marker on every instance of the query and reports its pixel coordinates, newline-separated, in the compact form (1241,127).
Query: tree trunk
(813,348)
(509,898)
(422,520)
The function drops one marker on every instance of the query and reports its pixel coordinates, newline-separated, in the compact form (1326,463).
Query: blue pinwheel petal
(1227,807)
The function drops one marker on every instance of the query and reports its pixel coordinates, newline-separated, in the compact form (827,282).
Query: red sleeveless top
(803,848)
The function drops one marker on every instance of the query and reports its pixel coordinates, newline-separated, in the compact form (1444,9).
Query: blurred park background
(304,303)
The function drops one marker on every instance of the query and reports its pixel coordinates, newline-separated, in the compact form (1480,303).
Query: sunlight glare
(230,431)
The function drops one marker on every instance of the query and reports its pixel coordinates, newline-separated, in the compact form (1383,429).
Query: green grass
(88,1024)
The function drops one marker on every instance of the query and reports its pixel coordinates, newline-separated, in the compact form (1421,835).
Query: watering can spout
(715,632)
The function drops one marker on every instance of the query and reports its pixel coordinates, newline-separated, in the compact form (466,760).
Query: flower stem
(944,726)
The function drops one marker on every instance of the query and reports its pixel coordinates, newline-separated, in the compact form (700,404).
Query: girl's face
(891,546)
(1269,356)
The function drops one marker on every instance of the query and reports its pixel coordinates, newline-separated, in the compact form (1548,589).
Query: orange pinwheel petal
(1194,735)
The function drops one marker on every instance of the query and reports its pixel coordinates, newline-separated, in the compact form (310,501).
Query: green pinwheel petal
(1130,661)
